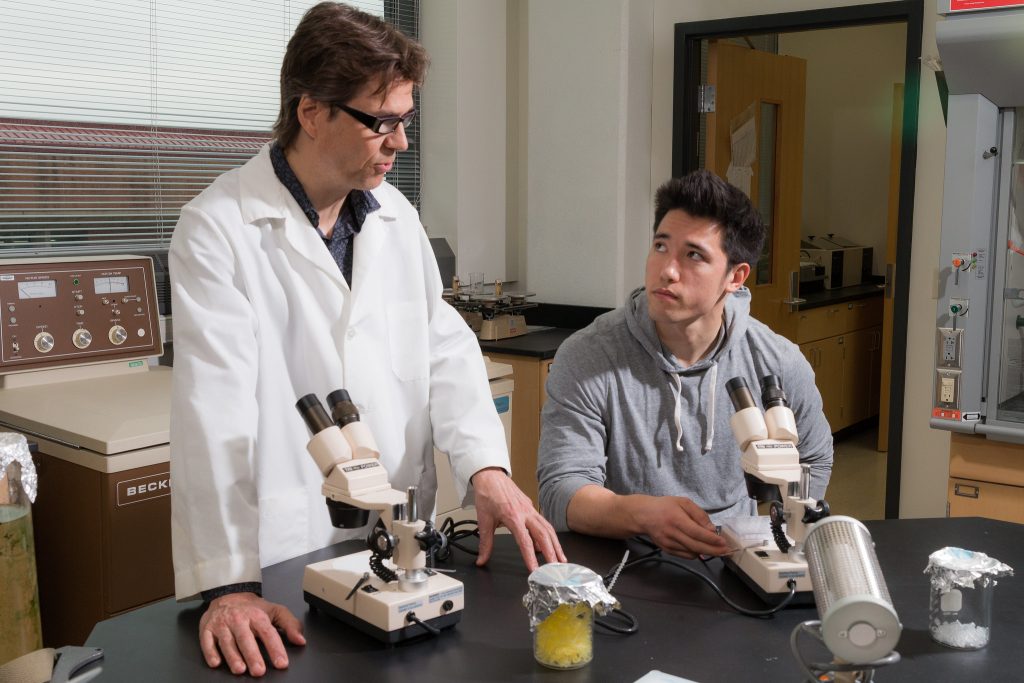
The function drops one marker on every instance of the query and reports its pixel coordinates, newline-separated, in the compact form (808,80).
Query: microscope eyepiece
(313,413)
(343,410)
(772,393)
(739,394)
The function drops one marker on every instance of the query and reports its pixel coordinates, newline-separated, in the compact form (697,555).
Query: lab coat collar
(263,197)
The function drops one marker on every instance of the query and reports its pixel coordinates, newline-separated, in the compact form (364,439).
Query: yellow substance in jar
(565,639)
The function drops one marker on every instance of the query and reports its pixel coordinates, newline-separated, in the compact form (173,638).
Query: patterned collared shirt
(358,205)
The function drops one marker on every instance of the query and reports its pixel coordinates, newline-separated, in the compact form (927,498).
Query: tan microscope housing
(394,598)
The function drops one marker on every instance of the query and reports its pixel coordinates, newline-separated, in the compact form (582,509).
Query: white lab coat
(262,316)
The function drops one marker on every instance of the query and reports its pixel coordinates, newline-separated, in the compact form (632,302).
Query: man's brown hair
(337,50)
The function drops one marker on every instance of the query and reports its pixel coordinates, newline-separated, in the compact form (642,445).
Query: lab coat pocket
(284,526)
(408,341)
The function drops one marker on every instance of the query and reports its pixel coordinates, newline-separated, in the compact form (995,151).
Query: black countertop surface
(541,343)
(827,297)
(684,628)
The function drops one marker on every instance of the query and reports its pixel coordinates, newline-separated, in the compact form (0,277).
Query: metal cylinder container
(858,622)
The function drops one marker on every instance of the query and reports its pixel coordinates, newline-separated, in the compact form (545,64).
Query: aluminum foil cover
(14,448)
(951,566)
(559,583)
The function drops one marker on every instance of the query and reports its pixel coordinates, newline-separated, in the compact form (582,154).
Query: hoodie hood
(640,325)
(702,375)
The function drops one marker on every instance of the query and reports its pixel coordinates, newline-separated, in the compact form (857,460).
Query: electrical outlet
(950,347)
(947,389)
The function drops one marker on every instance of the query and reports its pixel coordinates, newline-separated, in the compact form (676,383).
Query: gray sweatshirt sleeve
(815,433)
(572,438)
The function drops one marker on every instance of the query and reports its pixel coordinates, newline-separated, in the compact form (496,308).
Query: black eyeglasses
(383,126)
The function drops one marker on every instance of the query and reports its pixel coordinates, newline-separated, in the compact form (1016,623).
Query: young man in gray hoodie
(636,436)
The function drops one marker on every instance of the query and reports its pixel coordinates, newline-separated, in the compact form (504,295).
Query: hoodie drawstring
(678,412)
(710,441)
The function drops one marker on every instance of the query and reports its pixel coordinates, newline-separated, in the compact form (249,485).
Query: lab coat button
(351,333)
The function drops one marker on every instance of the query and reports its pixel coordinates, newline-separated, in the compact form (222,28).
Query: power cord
(656,555)
(455,532)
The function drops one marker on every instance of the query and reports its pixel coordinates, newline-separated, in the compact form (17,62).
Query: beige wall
(595,141)
(848,129)
(465,106)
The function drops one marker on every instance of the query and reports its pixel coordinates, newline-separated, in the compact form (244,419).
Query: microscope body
(386,591)
(769,551)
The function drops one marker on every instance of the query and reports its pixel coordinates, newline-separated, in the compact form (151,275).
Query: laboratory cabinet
(531,376)
(843,344)
(986,478)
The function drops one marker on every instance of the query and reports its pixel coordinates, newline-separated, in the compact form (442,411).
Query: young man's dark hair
(702,194)
(335,51)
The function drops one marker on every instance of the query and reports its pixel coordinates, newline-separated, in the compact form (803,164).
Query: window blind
(115,113)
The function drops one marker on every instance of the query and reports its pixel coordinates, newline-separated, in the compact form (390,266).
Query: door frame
(685,132)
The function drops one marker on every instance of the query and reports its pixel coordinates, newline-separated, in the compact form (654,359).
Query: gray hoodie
(623,413)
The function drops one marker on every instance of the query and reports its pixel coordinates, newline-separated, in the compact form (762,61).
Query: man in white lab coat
(304,272)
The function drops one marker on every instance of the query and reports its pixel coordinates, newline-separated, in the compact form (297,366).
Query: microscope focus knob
(384,543)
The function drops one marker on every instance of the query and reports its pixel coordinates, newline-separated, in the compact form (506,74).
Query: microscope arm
(769,454)
(362,482)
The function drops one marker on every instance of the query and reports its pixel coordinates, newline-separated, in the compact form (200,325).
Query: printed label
(144,488)
(410,606)
(363,466)
(966,5)
(445,595)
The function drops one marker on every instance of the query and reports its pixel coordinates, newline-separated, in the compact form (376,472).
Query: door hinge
(706,99)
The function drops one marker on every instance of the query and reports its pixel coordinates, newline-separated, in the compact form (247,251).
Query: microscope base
(376,608)
(761,565)
(408,633)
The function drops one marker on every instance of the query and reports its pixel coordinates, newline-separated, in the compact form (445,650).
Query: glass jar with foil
(20,631)
(960,603)
(561,603)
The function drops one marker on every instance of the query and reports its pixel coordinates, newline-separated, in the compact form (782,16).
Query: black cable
(432,630)
(657,556)
(630,623)
(452,531)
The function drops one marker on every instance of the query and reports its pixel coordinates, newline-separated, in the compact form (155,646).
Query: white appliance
(76,342)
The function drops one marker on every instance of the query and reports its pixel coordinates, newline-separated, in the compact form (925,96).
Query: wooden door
(763,93)
(858,383)
(895,146)
(825,357)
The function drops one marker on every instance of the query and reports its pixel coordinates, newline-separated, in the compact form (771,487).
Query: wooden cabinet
(986,478)
(530,375)
(843,345)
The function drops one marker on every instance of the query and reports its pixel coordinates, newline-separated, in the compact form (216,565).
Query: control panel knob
(44,342)
(81,338)
(118,335)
